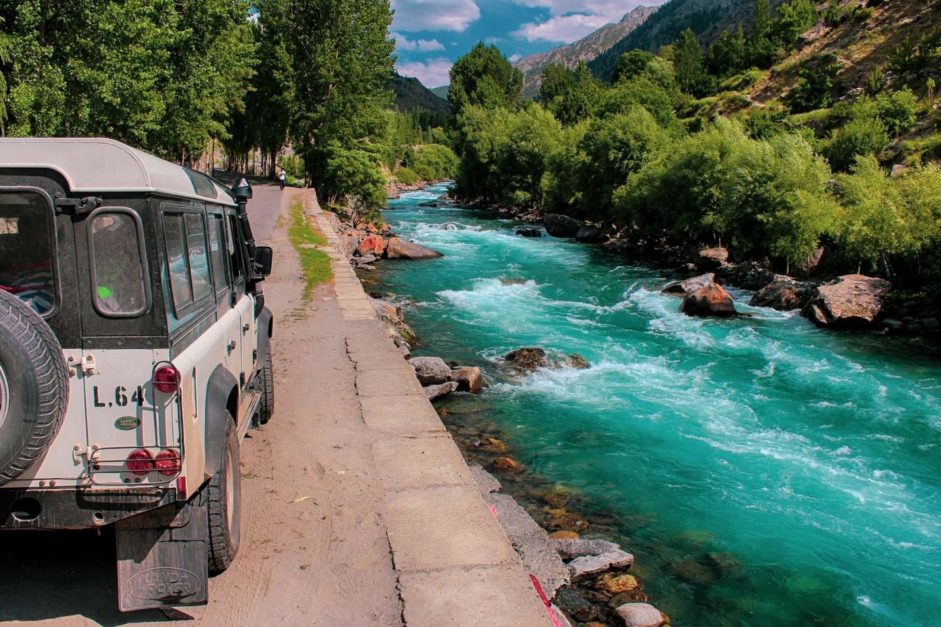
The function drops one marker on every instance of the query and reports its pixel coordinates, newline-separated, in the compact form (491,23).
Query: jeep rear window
(118,263)
(26,260)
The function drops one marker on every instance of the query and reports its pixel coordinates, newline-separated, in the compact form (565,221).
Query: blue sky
(431,34)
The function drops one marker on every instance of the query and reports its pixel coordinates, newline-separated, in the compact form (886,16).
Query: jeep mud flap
(163,557)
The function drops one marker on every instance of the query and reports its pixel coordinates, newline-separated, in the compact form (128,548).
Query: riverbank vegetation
(662,154)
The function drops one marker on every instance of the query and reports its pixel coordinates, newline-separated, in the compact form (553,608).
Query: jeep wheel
(34,386)
(266,407)
(225,505)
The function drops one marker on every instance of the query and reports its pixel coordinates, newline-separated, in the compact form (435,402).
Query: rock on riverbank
(852,301)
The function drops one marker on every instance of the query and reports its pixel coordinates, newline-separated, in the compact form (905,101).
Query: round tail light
(167,462)
(140,462)
(167,379)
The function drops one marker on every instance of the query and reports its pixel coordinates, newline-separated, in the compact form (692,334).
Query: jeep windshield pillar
(134,356)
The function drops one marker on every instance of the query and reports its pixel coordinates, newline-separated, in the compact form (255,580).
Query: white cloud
(422,15)
(573,19)
(421,45)
(431,73)
(564,28)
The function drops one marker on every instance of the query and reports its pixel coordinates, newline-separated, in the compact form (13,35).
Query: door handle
(231,346)
(245,328)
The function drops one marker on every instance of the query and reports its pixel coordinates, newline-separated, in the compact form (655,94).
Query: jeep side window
(198,255)
(118,263)
(217,252)
(235,250)
(26,259)
(181,286)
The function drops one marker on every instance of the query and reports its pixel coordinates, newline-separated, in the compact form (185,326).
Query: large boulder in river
(431,370)
(468,379)
(558,225)
(590,235)
(527,359)
(398,248)
(681,288)
(434,392)
(529,231)
(783,294)
(852,301)
(371,245)
(711,300)
(712,258)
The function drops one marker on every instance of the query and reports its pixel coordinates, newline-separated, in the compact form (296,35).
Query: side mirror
(263,258)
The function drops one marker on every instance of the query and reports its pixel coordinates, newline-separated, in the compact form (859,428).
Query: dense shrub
(897,110)
(883,216)
(406,176)
(432,162)
(764,197)
(814,85)
(354,175)
(860,136)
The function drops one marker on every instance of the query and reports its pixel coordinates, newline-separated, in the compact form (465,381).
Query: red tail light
(140,462)
(167,462)
(167,379)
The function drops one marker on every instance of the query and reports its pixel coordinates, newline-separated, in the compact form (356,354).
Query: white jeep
(134,355)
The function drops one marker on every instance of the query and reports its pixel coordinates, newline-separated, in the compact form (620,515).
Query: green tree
(897,110)
(688,62)
(794,19)
(342,59)
(570,95)
(486,78)
(727,55)
(614,148)
(761,47)
(882,216)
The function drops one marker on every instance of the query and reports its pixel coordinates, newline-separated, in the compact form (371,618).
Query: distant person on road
(282,178)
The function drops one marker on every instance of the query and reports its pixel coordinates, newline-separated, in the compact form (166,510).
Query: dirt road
(313,551)
(357,507)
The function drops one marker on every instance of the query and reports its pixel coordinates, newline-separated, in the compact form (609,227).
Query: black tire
(34,386)
(266,407)
(225,505)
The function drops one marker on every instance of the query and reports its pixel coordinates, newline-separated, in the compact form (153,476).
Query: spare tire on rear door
(34,386)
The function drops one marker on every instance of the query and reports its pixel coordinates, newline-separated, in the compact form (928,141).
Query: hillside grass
(307,242)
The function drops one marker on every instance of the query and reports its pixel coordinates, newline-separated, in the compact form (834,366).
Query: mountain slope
(441,92)
(411,95)
(584,49)
(707,18)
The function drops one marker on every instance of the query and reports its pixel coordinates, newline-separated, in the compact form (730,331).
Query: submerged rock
(590,235)
(577,361)
(507,464)
(529,231)
(398,248)
(434,392)
(641,615)
(527,359)
(689,286)
(431,370)
(712,300)
(853,300)
(558,225)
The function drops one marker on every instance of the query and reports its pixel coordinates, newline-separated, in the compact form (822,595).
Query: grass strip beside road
(306,240)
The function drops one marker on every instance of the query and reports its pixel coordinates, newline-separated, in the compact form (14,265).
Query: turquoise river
(809,459)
